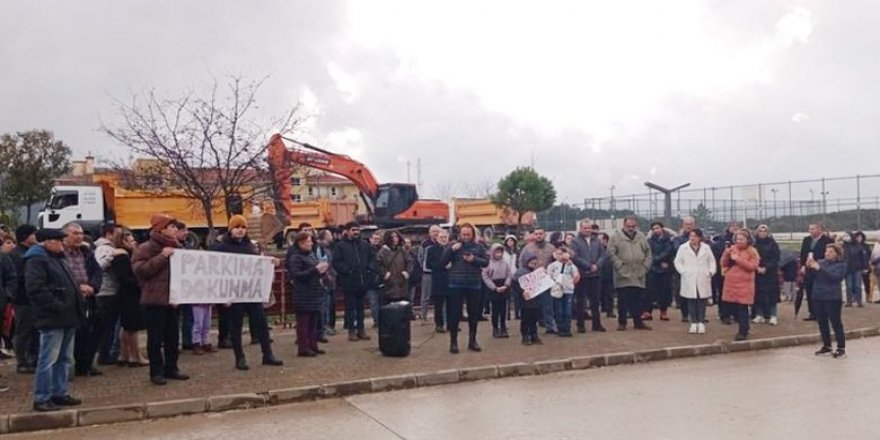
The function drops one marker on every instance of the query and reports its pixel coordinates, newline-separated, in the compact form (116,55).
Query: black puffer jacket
(767,284)
(51,290)
(439,272)
(230,245)
(308,293)
(462,273)
(17,258)
(356,265)
(8,281)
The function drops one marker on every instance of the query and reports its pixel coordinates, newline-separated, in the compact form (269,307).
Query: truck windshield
(61,200)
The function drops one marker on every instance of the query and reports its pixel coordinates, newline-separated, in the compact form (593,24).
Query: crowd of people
(71,304)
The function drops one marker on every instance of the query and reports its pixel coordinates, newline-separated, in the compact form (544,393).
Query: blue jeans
(854,288)
(547,308)
(53,363)
(354,311)
(374,298)
(562,307)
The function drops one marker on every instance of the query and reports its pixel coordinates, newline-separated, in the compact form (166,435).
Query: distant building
(310,185)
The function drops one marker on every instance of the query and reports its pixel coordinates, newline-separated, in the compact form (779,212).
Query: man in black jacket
(57,308)
(27,339)
(813,246)
(587,255)
(356,266)
(87,275)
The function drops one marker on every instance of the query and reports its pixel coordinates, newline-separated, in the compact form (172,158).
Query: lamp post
(667,198)
(774,191)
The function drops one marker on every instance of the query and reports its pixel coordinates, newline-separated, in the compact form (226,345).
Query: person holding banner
(152,268)
(531,305)
(465,284)
(305,272)
(236,241)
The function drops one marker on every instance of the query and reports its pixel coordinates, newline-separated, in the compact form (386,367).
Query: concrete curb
(10,423)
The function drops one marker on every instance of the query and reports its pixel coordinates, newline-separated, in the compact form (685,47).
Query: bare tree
(479,189)
(444,190)
(204,144)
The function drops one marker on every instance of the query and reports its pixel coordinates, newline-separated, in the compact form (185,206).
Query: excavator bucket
(263,227)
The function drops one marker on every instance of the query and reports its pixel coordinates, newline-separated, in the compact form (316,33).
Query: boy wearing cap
(236,242)
(152,268)
(57,309)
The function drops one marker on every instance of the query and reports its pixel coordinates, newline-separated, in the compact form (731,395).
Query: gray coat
(585,255)
(631,258)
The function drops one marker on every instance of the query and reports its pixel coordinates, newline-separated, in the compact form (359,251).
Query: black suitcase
(394,330)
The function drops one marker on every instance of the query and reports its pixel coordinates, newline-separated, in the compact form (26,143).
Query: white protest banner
(199,277)
(536,282)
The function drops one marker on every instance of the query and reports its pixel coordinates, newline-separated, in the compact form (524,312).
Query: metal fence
(841,203)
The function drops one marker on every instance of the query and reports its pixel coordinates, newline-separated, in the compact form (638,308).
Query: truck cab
(80,204)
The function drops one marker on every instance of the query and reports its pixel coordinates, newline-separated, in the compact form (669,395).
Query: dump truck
(98,198)
(487,217)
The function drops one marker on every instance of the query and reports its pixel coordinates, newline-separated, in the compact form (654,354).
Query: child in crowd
(565,275)
(202,329)
(497,278)
(531,308)
(789,279)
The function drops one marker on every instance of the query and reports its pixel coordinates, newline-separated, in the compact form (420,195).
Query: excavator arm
(389,205)
(282,160)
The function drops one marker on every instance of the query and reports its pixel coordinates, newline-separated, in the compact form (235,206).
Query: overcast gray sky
(599,93)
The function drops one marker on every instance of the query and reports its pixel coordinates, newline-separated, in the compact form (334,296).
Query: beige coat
(631,258)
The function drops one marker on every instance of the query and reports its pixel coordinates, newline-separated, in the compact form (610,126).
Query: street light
(611,203)
(774,191)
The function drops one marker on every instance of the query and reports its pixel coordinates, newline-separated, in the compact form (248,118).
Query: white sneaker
(758,320)
(774,320)
(693,329)
(701,328)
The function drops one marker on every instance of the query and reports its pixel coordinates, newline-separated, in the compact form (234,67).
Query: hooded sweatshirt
(104,256)
(498,271)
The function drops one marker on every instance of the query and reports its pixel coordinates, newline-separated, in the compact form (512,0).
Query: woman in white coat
(696,264)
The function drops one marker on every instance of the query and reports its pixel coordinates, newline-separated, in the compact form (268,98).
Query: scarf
(164,240)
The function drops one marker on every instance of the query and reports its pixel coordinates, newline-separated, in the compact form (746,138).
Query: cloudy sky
(593,93)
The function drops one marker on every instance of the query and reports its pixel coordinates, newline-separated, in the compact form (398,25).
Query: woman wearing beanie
(153,271)
(236,241)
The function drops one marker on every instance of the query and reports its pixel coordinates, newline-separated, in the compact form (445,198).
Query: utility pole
(611,203)
(419,175)
(774,191)
(408,175)
(667,196)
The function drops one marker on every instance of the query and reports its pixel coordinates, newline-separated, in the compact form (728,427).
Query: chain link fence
(840,203)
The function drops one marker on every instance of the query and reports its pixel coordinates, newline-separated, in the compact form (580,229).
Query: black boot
(472,342)
(453,342)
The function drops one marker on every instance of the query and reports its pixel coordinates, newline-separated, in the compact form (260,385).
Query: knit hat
(24,231)
(159,222)
(237,221)
(50,234)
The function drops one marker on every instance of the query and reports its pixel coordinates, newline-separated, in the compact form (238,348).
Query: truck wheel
(192,241)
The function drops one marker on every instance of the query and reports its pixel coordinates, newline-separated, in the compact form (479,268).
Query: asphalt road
(775,394)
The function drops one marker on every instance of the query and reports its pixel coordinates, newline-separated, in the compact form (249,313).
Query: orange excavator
(389,205)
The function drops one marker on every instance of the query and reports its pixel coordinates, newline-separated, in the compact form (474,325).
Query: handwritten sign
(536,282)
(199,277)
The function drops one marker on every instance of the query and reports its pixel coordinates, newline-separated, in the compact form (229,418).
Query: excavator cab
(394,199)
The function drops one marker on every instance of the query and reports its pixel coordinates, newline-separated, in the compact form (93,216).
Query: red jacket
(739,275)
